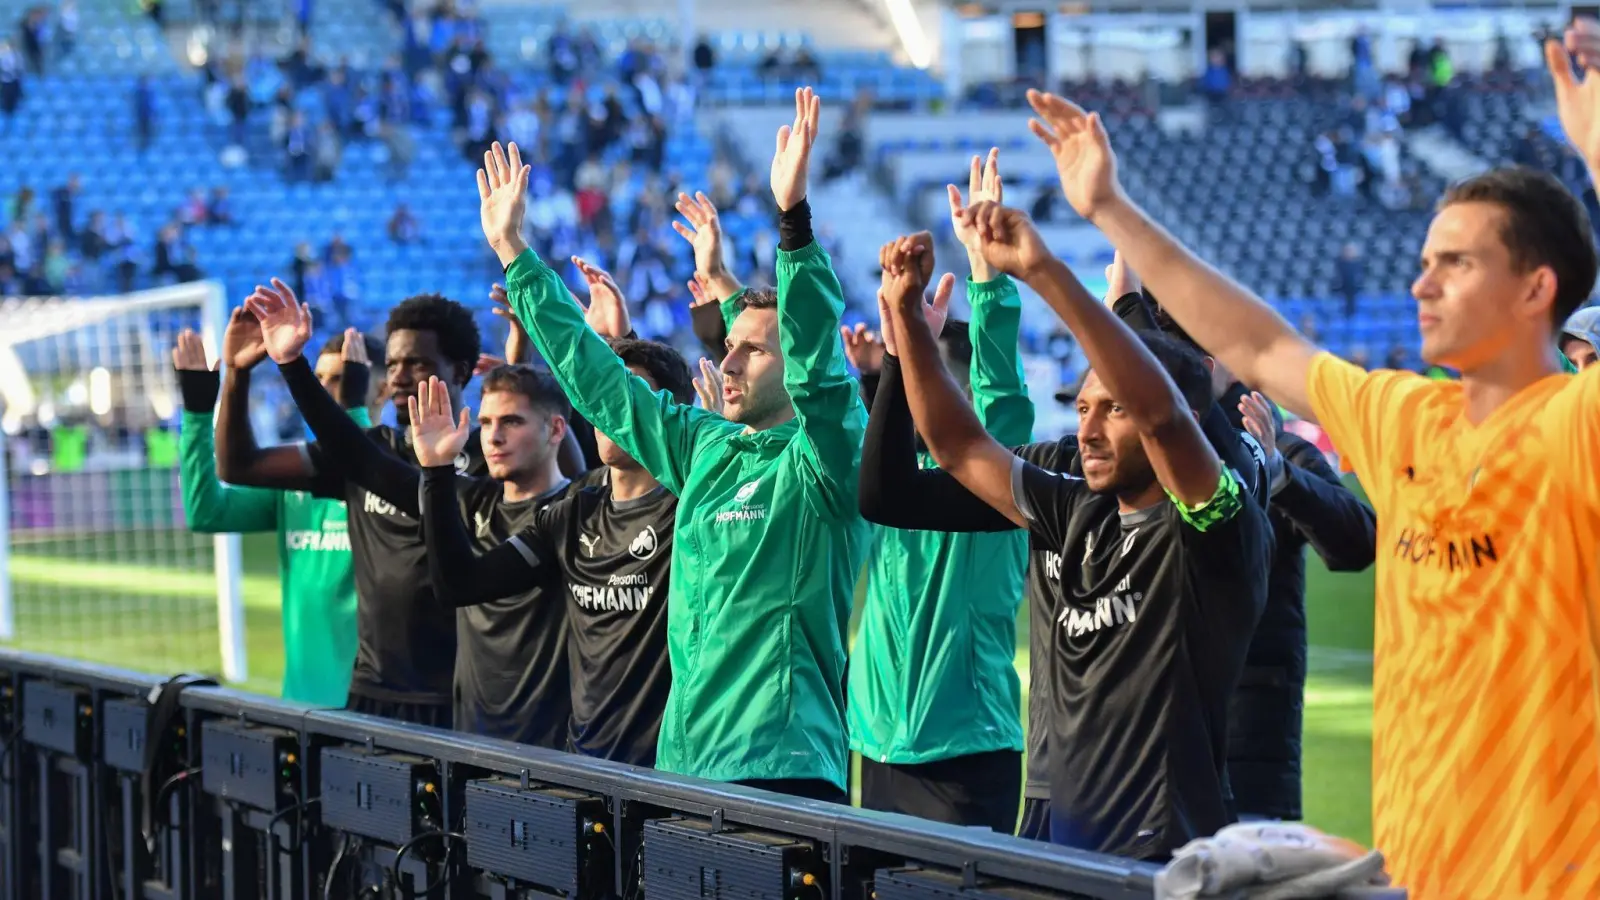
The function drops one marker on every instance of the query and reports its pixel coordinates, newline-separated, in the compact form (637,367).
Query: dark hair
(541,388)
(666,365)
(957,339)
(375,348)
(1184,365)
(453,323)
(1545,225)
(758,298)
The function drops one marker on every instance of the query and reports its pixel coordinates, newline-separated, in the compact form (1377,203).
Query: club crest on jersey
(748,491)
(463,462)
(643,545)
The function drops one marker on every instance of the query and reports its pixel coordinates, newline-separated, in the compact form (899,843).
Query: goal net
(99,564)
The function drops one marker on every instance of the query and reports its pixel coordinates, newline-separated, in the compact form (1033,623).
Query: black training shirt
(1145,649)
(611,559)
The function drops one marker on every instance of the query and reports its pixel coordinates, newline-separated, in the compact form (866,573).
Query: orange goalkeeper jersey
(1486,755)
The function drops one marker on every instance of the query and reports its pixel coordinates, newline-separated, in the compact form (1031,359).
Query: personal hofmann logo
(643,545)
(745,512)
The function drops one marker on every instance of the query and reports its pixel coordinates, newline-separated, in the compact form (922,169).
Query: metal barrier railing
(251,797)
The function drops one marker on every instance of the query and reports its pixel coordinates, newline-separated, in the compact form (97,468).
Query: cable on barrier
(300,829)
(333,867)
(449,838)
(7,755)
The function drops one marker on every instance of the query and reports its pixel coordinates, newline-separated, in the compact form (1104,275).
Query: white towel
(1275,861)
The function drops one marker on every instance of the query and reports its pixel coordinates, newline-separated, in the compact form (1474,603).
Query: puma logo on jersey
(588,541)
(482,523)
(643,545)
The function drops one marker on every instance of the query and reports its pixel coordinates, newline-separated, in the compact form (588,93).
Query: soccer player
(606,545)
(1486,753)
(405,663)
(314,569)
(510,673)
(1163,556)
(935,702)
(768,542)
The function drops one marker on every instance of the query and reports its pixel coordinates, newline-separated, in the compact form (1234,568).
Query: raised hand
(904,283)
(708,385)
(699,292)
(189,353)
(1009,241)
(503,198)
(486,364)
(983,183)
(1082,152)
(285,321)
(863,348)
(793,156)
(436,436)
(704,233)
(1258,420)
(1121,280)
(355,348)
(607,312)
(1578,96)
(242,346)
(518,346)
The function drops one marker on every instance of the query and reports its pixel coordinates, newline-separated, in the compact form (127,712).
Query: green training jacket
(314,567)
(768,539)
(932,672)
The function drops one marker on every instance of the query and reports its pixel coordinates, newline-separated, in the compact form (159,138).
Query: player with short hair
(606,545)
(1486,771)
(1162,555)
(510,677)
(316,580)
(405,663)
(767,532)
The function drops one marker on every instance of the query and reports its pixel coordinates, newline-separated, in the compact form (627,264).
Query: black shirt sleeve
(1342,529)
(199,390)
(1135,312)
(895,490)
(794,227)
(343,447)
(353,385)
(1046,500)
(1226,558)
(459,575)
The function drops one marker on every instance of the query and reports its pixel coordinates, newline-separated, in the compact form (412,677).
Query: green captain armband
(1223,505)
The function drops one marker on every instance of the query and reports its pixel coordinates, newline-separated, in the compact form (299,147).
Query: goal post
(98,561)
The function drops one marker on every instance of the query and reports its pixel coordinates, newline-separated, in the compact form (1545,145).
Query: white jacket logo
(643,545)
(463,462)
(748,491)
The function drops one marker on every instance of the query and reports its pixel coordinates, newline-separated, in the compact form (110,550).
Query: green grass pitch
(82,599)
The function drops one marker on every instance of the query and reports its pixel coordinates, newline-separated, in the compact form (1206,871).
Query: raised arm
(661,434)
(209,505)
(342,445)
(240,460)
(1230,322)
(714,290)
(1184,461)
(460,576)
(827,400)
(1305,490)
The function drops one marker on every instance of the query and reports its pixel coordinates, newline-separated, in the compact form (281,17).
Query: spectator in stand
(193,210)
(326,153)
(1580,337)
(343,280)
(1216,81)
(10,81)
(219,211)
(120,239)
(318,291)
(31,33)
(22,249)
(238,103)
(92,243)
(174,255)
(297,148)
(851,148)
(62,200)
(1352,276)
(55,265)
(403,226)
(66,27)
(144,112)
(402,149)
(705,57)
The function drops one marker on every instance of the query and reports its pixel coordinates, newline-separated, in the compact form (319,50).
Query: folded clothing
(1275,861)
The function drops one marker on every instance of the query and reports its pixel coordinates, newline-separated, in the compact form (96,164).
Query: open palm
(607,312)
(983,183)
(1078,142)
(793,157)
(1578,95)
(503,198)
(704,232)
(436,436)
(285,322)
(242,347)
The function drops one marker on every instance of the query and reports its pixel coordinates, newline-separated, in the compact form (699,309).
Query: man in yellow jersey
(1486,761)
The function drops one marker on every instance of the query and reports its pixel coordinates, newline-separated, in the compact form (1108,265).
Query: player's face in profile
(517,438)
(1579,351)
(612,456)
(412,357)
(1113,457)
(1468,294)
(752,373)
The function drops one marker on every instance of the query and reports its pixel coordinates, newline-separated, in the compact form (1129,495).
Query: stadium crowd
(627,556)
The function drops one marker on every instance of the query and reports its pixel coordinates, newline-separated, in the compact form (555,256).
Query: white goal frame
(33,318)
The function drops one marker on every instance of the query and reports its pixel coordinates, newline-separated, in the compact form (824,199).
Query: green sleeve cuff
(1223,505)
(997,290)
(527,265)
